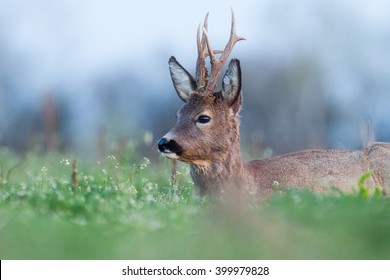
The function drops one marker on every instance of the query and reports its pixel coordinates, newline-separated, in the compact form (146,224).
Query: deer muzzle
(169,148)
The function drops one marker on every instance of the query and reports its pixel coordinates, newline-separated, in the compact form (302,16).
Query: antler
(201,69)
(202,75)
(217,63)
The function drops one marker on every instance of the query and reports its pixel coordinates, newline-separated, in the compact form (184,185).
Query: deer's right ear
(183,82)
(231,85)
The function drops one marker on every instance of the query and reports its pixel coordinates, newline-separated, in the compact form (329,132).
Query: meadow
(126,207)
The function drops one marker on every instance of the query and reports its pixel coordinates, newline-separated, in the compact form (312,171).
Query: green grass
(125,208)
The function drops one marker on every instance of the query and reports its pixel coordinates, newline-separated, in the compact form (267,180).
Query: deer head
(207,124)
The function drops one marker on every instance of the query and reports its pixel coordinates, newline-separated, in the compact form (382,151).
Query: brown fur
(212,148)
(215,161)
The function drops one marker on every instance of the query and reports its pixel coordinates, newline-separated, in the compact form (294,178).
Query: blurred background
(92,76)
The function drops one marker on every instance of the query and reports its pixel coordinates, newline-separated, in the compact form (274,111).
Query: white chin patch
(171,155)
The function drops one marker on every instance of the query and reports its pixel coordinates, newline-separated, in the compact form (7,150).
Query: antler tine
(217,63)
(201,69)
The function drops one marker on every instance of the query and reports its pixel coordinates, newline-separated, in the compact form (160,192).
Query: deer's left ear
(231,85)
(183,82)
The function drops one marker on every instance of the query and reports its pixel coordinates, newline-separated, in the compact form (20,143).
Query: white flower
(65,161)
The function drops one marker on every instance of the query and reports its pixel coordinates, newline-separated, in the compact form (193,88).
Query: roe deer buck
(207,137)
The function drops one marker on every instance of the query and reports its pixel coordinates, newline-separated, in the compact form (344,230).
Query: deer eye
(203,119)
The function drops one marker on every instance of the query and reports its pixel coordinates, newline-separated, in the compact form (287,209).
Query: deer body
(207,137)
(320,170)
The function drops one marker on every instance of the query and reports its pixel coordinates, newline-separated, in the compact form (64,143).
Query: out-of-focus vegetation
(126,208)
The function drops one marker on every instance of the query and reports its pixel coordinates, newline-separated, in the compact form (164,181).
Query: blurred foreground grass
(125,208)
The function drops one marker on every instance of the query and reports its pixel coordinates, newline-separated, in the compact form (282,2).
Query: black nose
(163,145)
(169,146)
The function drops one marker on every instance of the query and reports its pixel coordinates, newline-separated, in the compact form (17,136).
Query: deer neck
(225,169)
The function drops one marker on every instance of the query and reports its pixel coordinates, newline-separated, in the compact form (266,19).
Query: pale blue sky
(78,38)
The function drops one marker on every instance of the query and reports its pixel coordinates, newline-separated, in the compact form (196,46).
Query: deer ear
(231,85)
(183,82)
